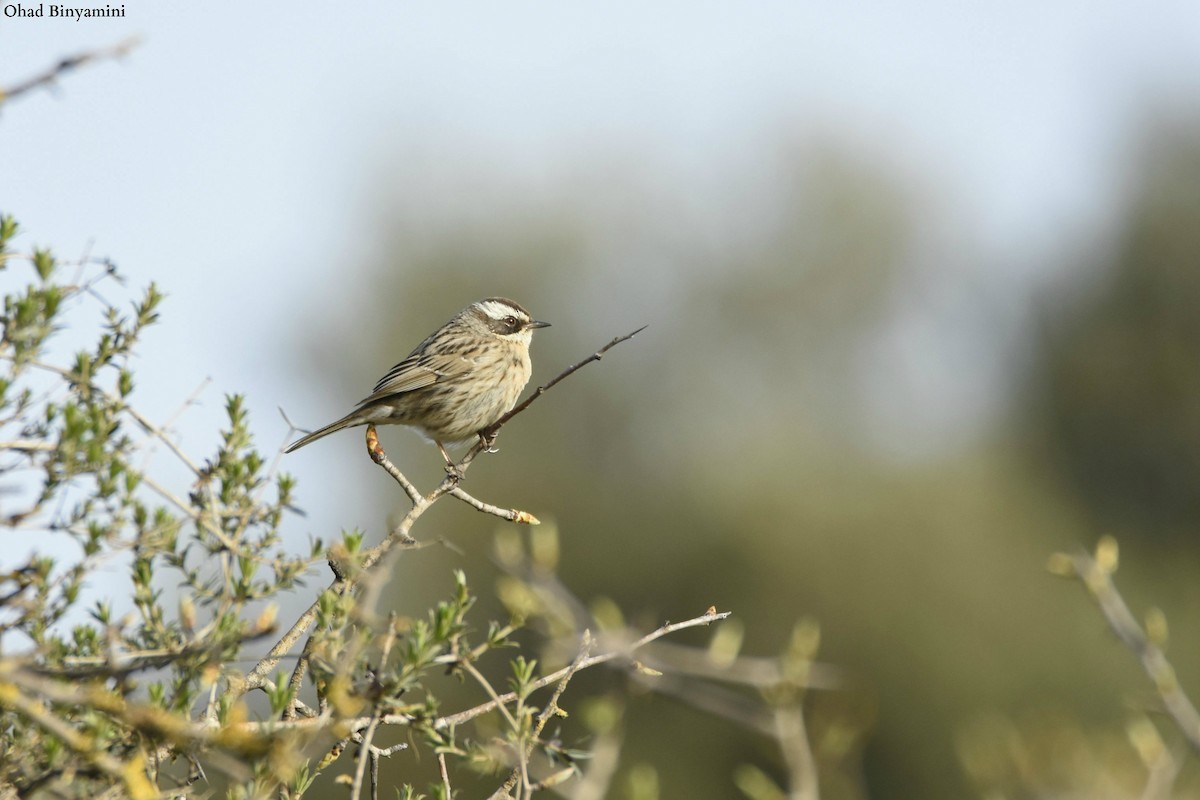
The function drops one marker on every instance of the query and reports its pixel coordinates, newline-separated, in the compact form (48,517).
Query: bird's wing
(418,371)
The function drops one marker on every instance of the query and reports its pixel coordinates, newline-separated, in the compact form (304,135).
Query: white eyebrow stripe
(497,310)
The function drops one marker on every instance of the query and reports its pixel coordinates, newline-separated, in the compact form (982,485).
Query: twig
(510,514)
(200,518)
(296,682)
(470,669)
(380,457)
(541,390)
(375,450)
(445,775)
(550,710)
(29,445)
(719,701)
(157,432)
(1096,576)
(364,754)
(758,672)
(141,419)
(375,755)
(782,718)
(192,400)
(792,735)
(49,76)
(1161,774)
(463,716)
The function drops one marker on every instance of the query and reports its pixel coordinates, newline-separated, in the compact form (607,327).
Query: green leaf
(43,262)
(8,229)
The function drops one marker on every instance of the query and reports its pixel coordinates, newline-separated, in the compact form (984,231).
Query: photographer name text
(44,10)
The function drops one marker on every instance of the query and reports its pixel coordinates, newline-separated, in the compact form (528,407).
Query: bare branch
(1096,575)
(510,514)
(591,661)
(551,708)
(364,754)
(541,390)
(29,445)
(375,450)
(759,672)
(445,775)
(50,76)
(792,734)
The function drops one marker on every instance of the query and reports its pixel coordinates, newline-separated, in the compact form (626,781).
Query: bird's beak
(538,324)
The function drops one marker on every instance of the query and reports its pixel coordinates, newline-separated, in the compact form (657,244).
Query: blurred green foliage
(1117,391)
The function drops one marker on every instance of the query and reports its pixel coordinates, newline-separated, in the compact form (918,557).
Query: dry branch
(49,77)
(1095,573)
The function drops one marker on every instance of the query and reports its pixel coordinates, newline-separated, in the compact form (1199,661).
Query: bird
(456,383)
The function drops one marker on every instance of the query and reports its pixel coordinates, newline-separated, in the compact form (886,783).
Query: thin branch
(380,457)
(50,76)
(463,716)
(364,754)
(375,755)
(375,450)
(157,432)
(792,735)
(29,445)
(718,701)
(201,519)
(141,419)
(781,718)
(192,400)
(1097,578)
(510,514)
(445,775)
(759,672)
(551,708)
(470,669)
(541,390)
(205,732)
(296,682)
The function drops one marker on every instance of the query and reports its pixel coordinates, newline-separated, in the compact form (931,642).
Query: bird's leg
(487,438)
(451,468)
(374,448)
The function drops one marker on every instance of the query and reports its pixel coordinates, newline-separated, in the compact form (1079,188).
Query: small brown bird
(460,380)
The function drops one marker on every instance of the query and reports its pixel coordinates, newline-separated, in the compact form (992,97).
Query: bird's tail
(351,419)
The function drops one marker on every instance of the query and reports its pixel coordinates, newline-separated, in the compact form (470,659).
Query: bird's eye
(510,322)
